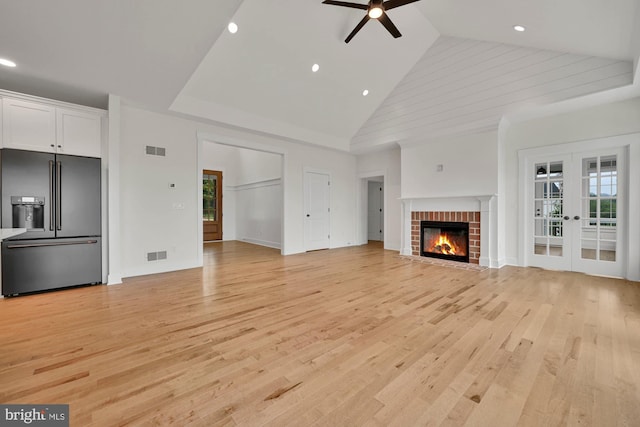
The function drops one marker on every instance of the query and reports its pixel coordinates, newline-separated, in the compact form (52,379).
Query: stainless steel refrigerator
(57,199)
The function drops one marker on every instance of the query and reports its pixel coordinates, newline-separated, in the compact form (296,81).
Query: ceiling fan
(376,9)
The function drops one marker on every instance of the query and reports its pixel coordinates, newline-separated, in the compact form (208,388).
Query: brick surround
(473,218)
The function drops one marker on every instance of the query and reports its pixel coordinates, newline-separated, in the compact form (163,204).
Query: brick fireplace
(479,211)
(470,217)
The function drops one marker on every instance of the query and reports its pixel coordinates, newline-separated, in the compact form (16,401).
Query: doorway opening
(375,211)
(372,209)
(251,207)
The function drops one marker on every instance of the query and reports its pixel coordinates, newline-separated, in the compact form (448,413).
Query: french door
(574,212)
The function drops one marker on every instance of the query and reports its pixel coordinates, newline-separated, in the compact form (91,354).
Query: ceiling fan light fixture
(376,9)
(375,12)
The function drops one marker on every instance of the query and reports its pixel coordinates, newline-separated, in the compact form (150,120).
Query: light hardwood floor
(353,336)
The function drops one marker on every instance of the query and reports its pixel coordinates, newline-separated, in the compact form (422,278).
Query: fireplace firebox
(445,240)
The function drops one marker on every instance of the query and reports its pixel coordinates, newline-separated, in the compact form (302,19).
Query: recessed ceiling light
(365,92)
(315,68)
(7,63)
(232,27)
(519,28)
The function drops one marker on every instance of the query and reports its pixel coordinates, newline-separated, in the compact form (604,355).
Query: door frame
(362,205)
(619,142)
(305,171)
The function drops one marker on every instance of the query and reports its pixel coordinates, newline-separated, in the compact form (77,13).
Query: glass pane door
(574,212)
(598,228)
(599,220)
(548,229)
(209,197)
(549,200)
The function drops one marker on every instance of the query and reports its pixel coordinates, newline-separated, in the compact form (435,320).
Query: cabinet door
(79,133)
(28,125)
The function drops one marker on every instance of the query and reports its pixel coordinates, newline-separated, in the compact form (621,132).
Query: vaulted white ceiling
(458,67)
(464,85)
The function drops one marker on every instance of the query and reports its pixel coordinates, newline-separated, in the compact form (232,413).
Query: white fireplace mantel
(486,204)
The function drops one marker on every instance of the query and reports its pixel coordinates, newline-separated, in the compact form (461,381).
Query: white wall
(259,198)
(619,118)
(470,167)
(635,40)
(259,213)
(148,220)
(296,158)
(387,164)
(150,223)
(257,166)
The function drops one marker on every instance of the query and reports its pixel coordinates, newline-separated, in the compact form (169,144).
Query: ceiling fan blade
(384,20)
(347,4)
(357,28)
(392,4)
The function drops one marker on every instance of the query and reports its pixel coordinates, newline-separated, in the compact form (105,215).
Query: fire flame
(444,246)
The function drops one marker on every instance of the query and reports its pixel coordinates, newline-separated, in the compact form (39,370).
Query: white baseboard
(114,280)
(512,261)
(156,267)
(274,245)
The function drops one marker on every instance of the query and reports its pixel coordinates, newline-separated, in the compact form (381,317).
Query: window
(209,197)
(601,182)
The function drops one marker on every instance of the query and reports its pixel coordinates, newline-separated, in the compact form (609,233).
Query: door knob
(566,217)
(308,215)
(576,217)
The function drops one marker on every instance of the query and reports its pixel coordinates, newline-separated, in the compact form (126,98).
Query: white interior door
(375,216)
(317,211)
(574,212)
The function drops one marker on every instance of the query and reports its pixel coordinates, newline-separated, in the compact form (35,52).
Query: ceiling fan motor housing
(376,9)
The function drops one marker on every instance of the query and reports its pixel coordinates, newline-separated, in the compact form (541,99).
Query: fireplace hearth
(445,240)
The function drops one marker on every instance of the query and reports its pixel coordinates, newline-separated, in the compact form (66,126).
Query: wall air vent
(155,151)
(156,256)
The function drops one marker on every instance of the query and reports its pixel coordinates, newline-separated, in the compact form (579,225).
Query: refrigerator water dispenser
(28,212)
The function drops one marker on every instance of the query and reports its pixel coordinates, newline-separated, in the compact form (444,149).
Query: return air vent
(155,151)
(156,256)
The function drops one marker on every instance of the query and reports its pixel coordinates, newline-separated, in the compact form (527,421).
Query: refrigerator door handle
(58,195)
(41,245)
(51,184)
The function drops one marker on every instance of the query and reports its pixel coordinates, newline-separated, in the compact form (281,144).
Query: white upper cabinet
(34,126)
(28,125)
(79,133)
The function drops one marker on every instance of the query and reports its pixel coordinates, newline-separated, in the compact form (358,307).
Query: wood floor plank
(346,337)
